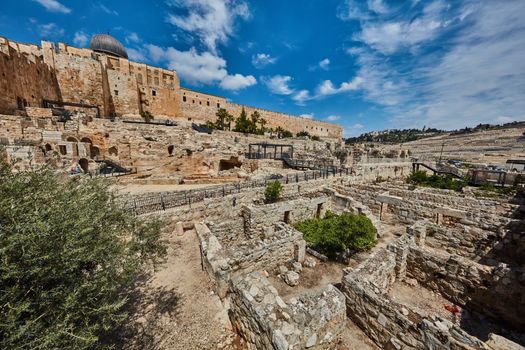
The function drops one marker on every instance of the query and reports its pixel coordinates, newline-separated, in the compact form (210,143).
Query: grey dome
(107,44)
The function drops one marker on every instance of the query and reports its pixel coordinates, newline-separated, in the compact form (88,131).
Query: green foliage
(446,182)
(334,233)
(249,126)
(282,133)
(68,253)
(147,116)
(303,133)
(223,118)
(316,138)
(491,191)
(272,192)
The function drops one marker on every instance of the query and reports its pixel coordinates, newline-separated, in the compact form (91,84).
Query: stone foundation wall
(265,321)
(498,292)
(259,220)
(395,326)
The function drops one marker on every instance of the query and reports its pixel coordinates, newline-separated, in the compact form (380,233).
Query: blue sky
(368,65)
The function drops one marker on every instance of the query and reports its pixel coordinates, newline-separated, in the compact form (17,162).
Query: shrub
(147,116)
(334,233)
(316,138)
(272,192)
(303,133)
(69,252)
(446,181)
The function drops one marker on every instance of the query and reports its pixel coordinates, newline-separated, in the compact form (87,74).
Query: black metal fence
(164,201)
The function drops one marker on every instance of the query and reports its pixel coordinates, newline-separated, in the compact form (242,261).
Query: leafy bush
(446,182)
(334,233)
(272,192)
(147,116)
(315,138)
(69,251)
(303,133)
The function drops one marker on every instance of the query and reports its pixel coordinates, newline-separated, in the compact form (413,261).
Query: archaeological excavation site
(278,235)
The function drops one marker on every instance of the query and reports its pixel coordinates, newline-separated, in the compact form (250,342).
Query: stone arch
(71,139)
(113,151)
(86,140)
(48,147)
(94,151)
(84,164)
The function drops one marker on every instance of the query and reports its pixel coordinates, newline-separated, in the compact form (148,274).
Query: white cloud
(49,30)
(301,97)
(136,54)
(377,6)
(53,6)
(353,10)
(105,9)
(133,38)
(482,77)
(261,60)
(332,118)
(478,77)
(279,84)
(237,82)
(357,126)
(198,68)
(328,88)
(195,68)
(391,36)
(307,115)
(323,64)
(212,21)
(80,39)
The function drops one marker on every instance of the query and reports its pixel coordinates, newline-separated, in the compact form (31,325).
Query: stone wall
(202,107)
(265,321)
(497,291)
(389,324)
(494,291)
(259,220)
(117,86)
(25,79)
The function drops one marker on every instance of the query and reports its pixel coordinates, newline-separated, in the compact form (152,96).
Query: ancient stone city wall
(117,86)
(25,79)
(202,107)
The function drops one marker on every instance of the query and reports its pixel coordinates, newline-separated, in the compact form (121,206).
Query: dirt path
(176,308)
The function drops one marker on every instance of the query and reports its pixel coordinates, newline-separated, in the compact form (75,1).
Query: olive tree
(68,253)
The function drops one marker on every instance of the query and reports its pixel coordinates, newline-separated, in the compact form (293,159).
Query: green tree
(273,192)
(147,116)
(69,251)
(229,119)
(337,233)
(263,123)
(242,124)
(303,133)
(222,118)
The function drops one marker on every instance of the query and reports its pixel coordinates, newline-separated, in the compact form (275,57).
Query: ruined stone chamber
(455,280)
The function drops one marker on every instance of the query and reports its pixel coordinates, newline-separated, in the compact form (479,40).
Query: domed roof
(107,44)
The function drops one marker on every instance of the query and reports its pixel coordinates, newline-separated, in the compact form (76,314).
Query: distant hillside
(406,135)
(394,136)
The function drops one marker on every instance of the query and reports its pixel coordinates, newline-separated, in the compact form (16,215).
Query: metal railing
(164,201)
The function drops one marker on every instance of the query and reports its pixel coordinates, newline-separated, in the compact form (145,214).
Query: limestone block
(300,251)
(291,278)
